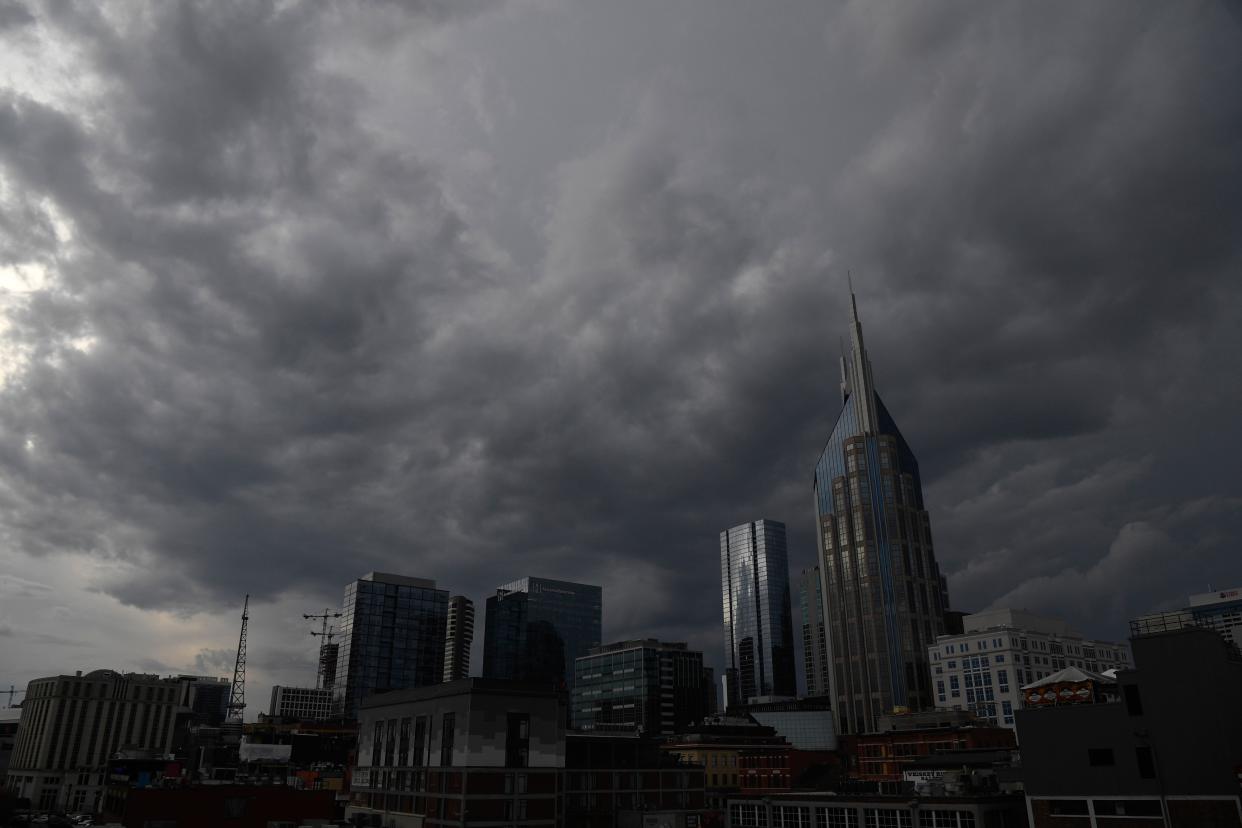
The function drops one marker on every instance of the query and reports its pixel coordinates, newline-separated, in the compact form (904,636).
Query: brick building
(883,757)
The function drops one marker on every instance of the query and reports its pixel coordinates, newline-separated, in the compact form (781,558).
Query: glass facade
(646,686)
(758,623)
(535,628)
(392,637)
(814,633)
(883,595)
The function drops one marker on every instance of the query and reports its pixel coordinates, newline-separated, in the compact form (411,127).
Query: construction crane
(325,635)
(237,700)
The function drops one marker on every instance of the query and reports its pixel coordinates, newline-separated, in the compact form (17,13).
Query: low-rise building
(983,669)
(876,811)
(806,723)
(614,779)
(884,756)
(1164,749)
(717,744)
(477,751)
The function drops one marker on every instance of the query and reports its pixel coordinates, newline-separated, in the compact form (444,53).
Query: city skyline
(290,295)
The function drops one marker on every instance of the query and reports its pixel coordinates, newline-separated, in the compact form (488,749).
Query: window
(448,725)
(946,819)
(1100,757)
(1128,807)
(953,685)
(1134,703)
(836,818)
(517,740)
(791,816)
(1146,762)
(1067,807)
(886,818)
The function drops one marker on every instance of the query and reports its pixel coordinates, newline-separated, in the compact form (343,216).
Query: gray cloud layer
(558,290)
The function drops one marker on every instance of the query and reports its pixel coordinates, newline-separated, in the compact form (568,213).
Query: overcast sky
(294,291)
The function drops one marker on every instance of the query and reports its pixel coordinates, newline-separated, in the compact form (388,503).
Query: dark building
(536,627)
(884,598)
(476,751)
(1166,745)
(884,756)
(458,638)
(329,652)
(814,633)
(718,745)
(212,806)
(392,637)
(9,717)
(758,622)
(609,777)
(645,686)
(878,811)
(807,723)
(208,698)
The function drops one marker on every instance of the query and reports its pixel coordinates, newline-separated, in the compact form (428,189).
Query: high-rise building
(329,651)
(647,686)
(458,638)
(814,633)
(983,669)
(303,704)
(72,725)
(392,637)
(536,627)
(758,623)
(884,599)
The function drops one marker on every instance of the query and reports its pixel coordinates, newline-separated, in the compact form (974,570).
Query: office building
(71,725)
(536,627)
(1164,749)
(614,780)
(302,704)
(718,745)
(208,698)
(392,637)
(983,669)
(458,638)
(758,623)
(490,751)
(814,633)
(884,598)
(1220,611)
(9,717)
(644,686)
(883,756)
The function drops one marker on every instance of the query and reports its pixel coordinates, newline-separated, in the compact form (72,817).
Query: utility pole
(325,635)
(237,700)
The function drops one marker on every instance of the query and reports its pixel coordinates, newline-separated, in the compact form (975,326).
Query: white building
(72,725)
(983,670)
(304,704)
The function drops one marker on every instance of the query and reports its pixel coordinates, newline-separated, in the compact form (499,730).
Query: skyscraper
(814,632)
(458,638)
(392,637)
(758,624)
(883,595)
(536,627)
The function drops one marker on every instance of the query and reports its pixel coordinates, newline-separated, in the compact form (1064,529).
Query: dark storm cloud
(279,352)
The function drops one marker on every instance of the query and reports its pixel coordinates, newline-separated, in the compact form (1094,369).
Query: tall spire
(860,384)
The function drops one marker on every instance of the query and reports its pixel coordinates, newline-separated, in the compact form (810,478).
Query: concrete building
(71,725)
(458,638)
(876,811)
(392,637)
(815,660)
(536,627)
(1166,752)
(303,704)
(1220,611)
(883,596)
(758,623)
(208,699)
(646,686)
(983,669)
(476,750)
(615,779)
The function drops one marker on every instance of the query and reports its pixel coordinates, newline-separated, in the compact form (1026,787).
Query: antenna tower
(237,701)
(325,634)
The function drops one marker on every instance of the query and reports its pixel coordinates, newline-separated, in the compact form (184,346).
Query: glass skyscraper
(649,686)
(758,624)
(884,599)
(536,627)
(392,637)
